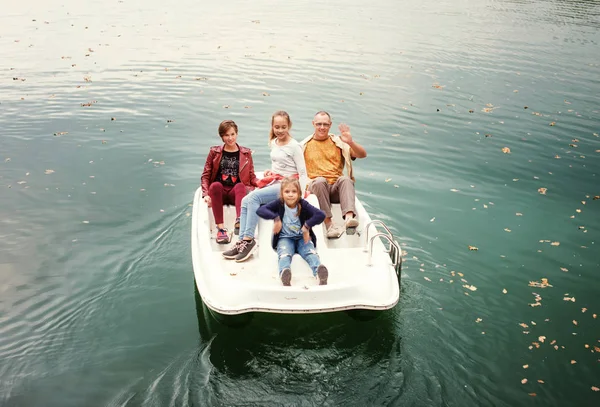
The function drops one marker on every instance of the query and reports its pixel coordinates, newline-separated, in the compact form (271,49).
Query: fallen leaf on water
(583,309)
(573,362)
(542,190)
(61,133)
(575,323)
(532,394)
(85,221)
(541,284)
(519,214)
(388,179)
(552,123)
(427,278)
(564,269)
(523,381)
(555,244)
(49,172)
(432,219)
(595,388)
(572,299)
(265,94)
(525,366)
(506,150)
(478,320)
(507,230)
(540,381)
(435,85)
(541,339)
(504,291)
(524,325)
(473,248)
(454,190)
(470,287)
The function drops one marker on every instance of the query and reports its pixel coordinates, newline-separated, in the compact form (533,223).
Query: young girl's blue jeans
(288,246)
(250,203)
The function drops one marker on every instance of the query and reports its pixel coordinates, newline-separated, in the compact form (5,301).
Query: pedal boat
(364,270)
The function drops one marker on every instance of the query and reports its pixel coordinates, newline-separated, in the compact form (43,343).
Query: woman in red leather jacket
(228,175)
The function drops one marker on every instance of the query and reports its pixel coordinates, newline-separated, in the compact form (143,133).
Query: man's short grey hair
(323,112)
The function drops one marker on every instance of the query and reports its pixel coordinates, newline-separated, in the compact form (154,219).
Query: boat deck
(229,287)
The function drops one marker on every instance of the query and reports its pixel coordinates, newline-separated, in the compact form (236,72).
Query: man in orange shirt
(326,156)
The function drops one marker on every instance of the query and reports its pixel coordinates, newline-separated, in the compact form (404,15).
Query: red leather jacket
(247,176)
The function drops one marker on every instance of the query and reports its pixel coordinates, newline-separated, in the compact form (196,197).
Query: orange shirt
(323,159)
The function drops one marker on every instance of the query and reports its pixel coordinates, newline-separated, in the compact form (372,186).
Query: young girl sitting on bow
(292,231)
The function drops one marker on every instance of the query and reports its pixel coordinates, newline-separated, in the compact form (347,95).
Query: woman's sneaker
(286,277)
(322,275)
(245,250)
(233,252)
(236,227)
(222,236)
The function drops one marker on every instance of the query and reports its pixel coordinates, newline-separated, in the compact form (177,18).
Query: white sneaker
(334,232)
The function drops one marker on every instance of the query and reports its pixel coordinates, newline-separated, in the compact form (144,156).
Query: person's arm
(253,179)
(316,215)
(356,150)
(206,174)
(298,156)
(270,210)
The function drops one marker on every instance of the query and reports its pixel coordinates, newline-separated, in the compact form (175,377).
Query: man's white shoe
(334,232)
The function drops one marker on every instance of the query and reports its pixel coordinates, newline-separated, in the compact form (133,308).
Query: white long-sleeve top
(288,160)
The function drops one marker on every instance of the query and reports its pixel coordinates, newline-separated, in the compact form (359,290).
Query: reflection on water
(315,359)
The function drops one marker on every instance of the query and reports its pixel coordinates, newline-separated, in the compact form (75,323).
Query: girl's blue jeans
(288,246)
(250,203)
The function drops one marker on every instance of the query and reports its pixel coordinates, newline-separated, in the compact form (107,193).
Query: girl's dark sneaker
(233,252)
(322,275)
(286,277)
(245,250)
(236,227)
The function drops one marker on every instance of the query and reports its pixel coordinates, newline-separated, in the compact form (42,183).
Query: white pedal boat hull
(230,288)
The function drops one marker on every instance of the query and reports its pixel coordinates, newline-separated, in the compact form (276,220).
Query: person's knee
(318,184)
(344,179)
(215,187)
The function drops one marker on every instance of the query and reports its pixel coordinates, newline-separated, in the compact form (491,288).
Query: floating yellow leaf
(540,381)
(473,248)
(525,366)
(572,299)
(507,230)
(523,381)
(594,388)
(506,150)
(541,339)
(47,172)
(470,287)
(524,325)
(541,284)
(555,244)
(575,323)
(552,123)
(564,269)
(583,309)
(519,214)
(478,320)
(532,394)
(542,190)
(573,361)
(504,291)
(388,180)
(427,278)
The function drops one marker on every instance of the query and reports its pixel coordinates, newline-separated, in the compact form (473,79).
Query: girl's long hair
(282,114)
(291,181)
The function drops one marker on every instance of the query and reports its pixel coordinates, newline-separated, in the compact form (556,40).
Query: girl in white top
(287,159)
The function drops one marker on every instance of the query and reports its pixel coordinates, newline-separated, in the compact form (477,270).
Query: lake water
(481,121)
